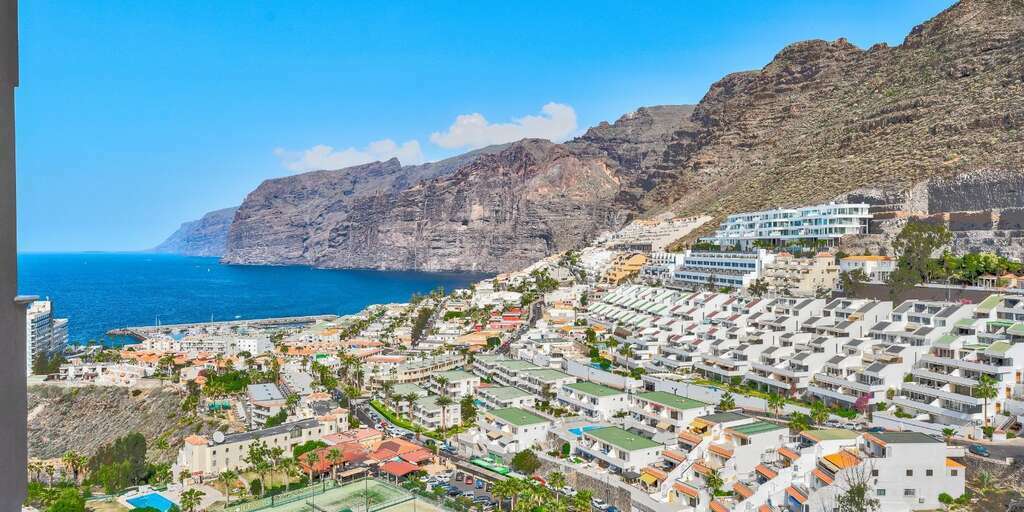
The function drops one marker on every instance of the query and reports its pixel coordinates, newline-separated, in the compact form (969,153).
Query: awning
(648,479)
(795,494)
(399,468)
(663,425)
(352,472)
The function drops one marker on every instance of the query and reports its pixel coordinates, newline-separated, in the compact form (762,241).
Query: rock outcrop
(204,237)
(821,119)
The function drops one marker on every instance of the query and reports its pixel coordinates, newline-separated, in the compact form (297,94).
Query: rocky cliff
(821,119)
(204,237)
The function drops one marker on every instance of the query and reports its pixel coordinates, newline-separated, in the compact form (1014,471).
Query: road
(1011,448)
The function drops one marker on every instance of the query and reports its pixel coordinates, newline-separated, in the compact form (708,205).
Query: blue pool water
(102,291)
(580,430)
(154,500)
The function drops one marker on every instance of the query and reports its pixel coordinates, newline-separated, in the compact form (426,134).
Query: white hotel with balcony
(785,226)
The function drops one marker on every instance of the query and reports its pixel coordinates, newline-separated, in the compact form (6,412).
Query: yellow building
(624,266)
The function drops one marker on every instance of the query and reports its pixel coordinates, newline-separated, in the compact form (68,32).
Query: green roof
(830,434)
(999,347)
(515,364)
(724,417)
(757,427)
(945,341)
(669,400)
(518,417)
(905,437)
(623,439)
(965,323)
(456,375)
(547,374)
(1016,329)
(405,389)
(593,389)
(504,392)
(990,302)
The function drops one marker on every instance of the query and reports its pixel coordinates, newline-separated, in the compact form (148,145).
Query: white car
(598,504)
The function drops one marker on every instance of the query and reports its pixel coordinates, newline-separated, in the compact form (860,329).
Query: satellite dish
(218,437)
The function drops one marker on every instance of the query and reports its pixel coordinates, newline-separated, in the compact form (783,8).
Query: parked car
(479,484)
(978,449)
(599,504)
(875,430)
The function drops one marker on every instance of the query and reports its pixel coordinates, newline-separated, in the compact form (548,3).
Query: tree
(913,248)
(312,459)
(525,462)
(727,403)
(855,492)
(335,458)
(443,402)
(852,281)
(467,408)
(229,477)
(508,489)
(68,500)
(291,401)
(276,419)
(819,412)
(948,433)
(442,385)
(258,459)
(799,422)
(714,481)
(759,287)
(410,399)
(986,389)
(191,499)
(556,479)
(581,502)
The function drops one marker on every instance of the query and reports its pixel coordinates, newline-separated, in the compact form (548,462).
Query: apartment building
(906,470)
(263,401)
(45,334)
(618,449)
(660,411)
(826,223)
(202,457)
(593,401)
(104,374)
(544,382)
(416,371)
(457,383)
(499,397)
(427,413)
(399,392)
(801,277)
(720,269)
(861,375)
(511,430)
(623,267)
(876,268)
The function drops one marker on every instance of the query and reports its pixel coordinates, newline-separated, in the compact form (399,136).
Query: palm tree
(776,402)
(443,401)
(290,468)
(819,412)
(409,399)
(229,477)
(312,459)
(556,480)
(714,482)
(509,489)
(388,390)
(581,501)
(191,499)
(799,422)
(335,458)
(50,470)
(948,433)
(442,385)
(985,389)
(984,482)
(727,402)
(275,453)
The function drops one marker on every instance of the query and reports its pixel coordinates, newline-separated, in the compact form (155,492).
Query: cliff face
(824,118)
(204,237)
(821,119)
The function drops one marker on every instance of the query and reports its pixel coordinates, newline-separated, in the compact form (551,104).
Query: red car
(468,480)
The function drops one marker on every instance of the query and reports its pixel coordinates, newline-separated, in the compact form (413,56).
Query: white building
(721,269)
(104,374)
(45,335)
(785,226)
(876,268)
(511,430)
(618,449)
(264,401)
(428,413)
(593,401)
(498,397)
(458,383)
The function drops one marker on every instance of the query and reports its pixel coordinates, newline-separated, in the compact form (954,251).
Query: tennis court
(368,495)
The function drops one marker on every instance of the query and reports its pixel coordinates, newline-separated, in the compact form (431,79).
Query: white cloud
(556,122)
(326,157)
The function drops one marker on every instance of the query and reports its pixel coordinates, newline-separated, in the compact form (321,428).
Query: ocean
(102,291)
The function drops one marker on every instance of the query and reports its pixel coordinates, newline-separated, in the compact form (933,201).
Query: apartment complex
(784,226)
(45,335)
(720,269)
(802,277)
(593,401)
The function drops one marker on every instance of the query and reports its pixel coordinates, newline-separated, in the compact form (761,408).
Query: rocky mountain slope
(821,119)
(204,237)
(824,118)
(79,419)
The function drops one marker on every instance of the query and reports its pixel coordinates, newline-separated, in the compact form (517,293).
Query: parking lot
(456,485)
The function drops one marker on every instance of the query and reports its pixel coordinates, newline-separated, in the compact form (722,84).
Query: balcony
(851,384)
(931,409)
(915,387)
(835,395)
(966,365)
(924,373)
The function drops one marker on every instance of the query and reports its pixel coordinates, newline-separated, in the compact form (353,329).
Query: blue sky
(133,117)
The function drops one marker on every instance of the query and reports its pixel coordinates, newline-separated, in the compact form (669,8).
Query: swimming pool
(153,499)
(578,431)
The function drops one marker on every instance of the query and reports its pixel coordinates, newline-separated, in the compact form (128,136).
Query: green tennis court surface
(362,496)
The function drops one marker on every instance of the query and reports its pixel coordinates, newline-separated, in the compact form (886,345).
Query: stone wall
(976,190)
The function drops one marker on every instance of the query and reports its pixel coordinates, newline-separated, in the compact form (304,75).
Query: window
(880,492)
(953,472)
(910,472)
(908,492)
(927,472)
(874,472)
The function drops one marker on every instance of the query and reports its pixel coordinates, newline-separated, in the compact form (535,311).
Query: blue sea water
(102,291)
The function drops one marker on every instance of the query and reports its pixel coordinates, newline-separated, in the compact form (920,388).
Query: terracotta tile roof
(721,450)
(686,489)
(789,454)
(718,507)
(824,477)
(196,440)
(768,473)
(795,494)
(742,490)
(690,437)
(655,472)
(674,455)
